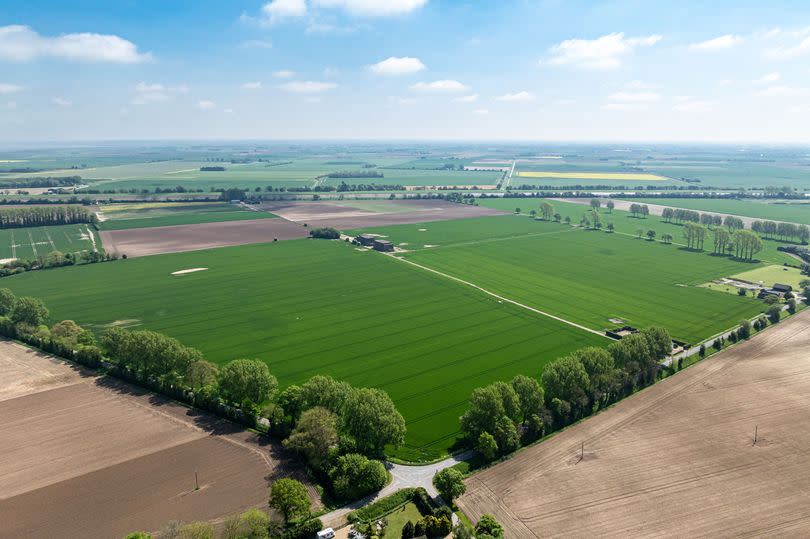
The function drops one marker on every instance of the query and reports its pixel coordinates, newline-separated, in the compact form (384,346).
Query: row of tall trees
(784,231)
(502,415)
(639,210)
(44,215)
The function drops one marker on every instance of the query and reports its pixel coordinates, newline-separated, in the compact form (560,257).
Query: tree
(290,498)
(29,311)
(721,240)
(533,213)
(450,484)
(325,233)
(72,333)
(355,476)
(651,235)
(567,219)
(667,214)
(486,406)
(201,374)
(745,329)
(487,525)
(791,306)
(246,380)
(487,446)
(547,210)
(461,531)
(7,301)
(667,238)
(639,233)
(506,435)
(517,210)
(325,391)
(774,313)
(601,369)
(659,342)
(596,218)
(373,421)
(557,217)
(596,203)
(610,205)
(610,227)
(530,396)
(252,524)
(314,435)
(567,380)
(408,530)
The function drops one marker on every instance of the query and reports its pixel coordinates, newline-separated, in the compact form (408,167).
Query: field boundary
(498,296)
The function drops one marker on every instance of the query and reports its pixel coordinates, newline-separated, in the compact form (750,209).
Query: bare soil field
(177,239)
(344,216)
(94,457)
(677,459)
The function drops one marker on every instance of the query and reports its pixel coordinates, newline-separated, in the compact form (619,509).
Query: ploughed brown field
(83,456)
(677,459)
(344,216)
(177,239)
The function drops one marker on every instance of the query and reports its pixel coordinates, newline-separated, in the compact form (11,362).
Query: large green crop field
(791,211)
(146,215)
(587,277)
(317,307)
(28,243)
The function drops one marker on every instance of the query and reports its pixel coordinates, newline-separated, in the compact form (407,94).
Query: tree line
(502,416)
(784,231)
(45,216)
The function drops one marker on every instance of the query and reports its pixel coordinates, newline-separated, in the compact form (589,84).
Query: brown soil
(94,457)
(345,217)
(176,239)
(677,459)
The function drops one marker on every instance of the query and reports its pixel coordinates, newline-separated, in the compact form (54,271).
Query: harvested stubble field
(136,242)
(677,459)
(322,307)
(93,457)
(587,277)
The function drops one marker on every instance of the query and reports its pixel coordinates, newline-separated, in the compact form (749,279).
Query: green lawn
(28,243)
(588,277)
(397,520)
(791,211)
(773,274)
(318,307)
(123,216)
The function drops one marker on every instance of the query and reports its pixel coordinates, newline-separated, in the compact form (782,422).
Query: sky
(618,71)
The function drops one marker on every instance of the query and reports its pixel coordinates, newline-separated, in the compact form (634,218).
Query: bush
(487,525)
(325,233)
(355,476)
(382,506)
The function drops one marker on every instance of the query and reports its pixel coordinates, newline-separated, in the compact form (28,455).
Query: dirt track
(677,459)
(177,239)
(345,217)
(93,457)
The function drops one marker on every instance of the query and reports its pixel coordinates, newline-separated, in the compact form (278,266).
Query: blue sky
(405,69)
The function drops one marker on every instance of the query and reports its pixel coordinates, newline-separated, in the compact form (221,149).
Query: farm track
(684,444)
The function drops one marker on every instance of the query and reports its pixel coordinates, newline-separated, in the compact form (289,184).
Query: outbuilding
(365,239)
(383,245)
(782,288)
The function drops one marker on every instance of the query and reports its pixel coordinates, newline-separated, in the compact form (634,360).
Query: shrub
(383,506)
(325,233)
(355,476)
(304,530)
(487,525)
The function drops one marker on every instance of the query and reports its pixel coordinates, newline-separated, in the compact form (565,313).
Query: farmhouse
(383,245)
(782,288)
(365,239)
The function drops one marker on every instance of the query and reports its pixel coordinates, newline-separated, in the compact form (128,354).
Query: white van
(327,533)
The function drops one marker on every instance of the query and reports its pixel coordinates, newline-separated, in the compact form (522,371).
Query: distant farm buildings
(365,239)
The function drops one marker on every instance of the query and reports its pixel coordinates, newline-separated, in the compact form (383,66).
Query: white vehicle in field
(327,533)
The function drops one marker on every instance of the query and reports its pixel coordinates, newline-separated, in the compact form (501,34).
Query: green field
(317,307)
(769,275)
(398,518)
(625,223)
(587,277)
(28,243)
(123,216)
(791,211)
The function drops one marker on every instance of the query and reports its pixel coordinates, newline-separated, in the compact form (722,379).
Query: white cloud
(307,86)
(481,111)
(204,104)
(6,88)
(284,74)
(467,98)
(639,85)
(21,44)
(155,92)
(61,102)
(786,50)
(566,102)
(440,86)
(517,96)
(781,91)
(408,101)
(374,8)
(251,86)
(692,105)
(718,43)
(276,10)
(634,97)
(601,53)
(258,44)
(397,66)
(227,111)
(770,77)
